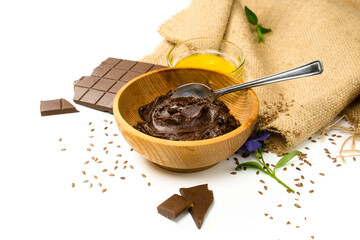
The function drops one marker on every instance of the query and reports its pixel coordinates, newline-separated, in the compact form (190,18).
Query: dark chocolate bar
(202,199)
(98,90)
(174,206)
(57,106)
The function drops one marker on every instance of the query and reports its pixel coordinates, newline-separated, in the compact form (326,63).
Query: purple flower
(254,142)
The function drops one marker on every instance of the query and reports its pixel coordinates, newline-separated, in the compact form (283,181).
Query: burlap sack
(302,31)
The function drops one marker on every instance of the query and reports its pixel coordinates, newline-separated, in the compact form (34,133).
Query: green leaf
(264,30)
(285,159)
(251,17)
(259,34)
(250,164)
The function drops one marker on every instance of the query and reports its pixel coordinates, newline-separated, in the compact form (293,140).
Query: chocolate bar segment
(202,199)
(174,206)
(98,90)
(56,106)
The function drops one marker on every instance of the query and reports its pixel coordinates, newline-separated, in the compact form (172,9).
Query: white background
(44,47)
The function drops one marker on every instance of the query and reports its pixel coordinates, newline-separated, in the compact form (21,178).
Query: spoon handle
(307,70)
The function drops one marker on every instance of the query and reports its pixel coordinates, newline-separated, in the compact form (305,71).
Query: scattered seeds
(297,205)
(73,185)
(104,190)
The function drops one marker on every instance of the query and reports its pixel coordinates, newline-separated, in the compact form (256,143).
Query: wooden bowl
(183,156)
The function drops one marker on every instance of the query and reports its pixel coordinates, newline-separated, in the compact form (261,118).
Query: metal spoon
(201,90)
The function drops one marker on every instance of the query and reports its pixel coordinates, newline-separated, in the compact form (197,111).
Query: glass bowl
(210,53)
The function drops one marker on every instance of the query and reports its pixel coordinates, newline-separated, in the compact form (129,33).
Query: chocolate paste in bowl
(186,118)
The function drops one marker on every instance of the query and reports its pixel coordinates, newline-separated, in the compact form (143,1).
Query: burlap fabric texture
(302,31)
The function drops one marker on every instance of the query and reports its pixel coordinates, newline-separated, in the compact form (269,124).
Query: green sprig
(261,164)
(253,20)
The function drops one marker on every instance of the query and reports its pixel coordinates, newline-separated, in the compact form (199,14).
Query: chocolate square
(117,86)
(126,64)
(88,81)
(129,76)
(142,67)
(92,96)
(104,84)
(115,74)
(111,62)
(79,92)
(106,102)
(174,206)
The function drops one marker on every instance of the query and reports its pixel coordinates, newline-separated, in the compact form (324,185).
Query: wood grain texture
(183,156)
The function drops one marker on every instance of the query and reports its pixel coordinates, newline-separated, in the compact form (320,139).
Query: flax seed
(83,172)
(262,181)
(118,155)
(307,148)
(63,149)
(92,129)
(288,223)
(100,184)
(90,123)
(149,184)
(73,185)
(297,205)
(99,161)
(265,187)
(311,191)
(261,193)
(60,139)
(111,175)
(280,205)
(111,142)
(89,149)
(91,185)
(118,146)
(322,174)
(131,166)
(104,170)
(257,172)
(122,178)
(86,162)
(125,162)
(91,136)
(106,134)
(233,173)
(104,190)
(312,181)
(143,175)
(85,181)
(116,167)
(105,128)
(95,177)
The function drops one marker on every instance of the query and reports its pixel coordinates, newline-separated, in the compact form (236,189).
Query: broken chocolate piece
(202,199)
(98,90)
(174,206)
(57,106)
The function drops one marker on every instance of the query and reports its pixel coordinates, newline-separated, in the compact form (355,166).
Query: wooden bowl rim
(127,127)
